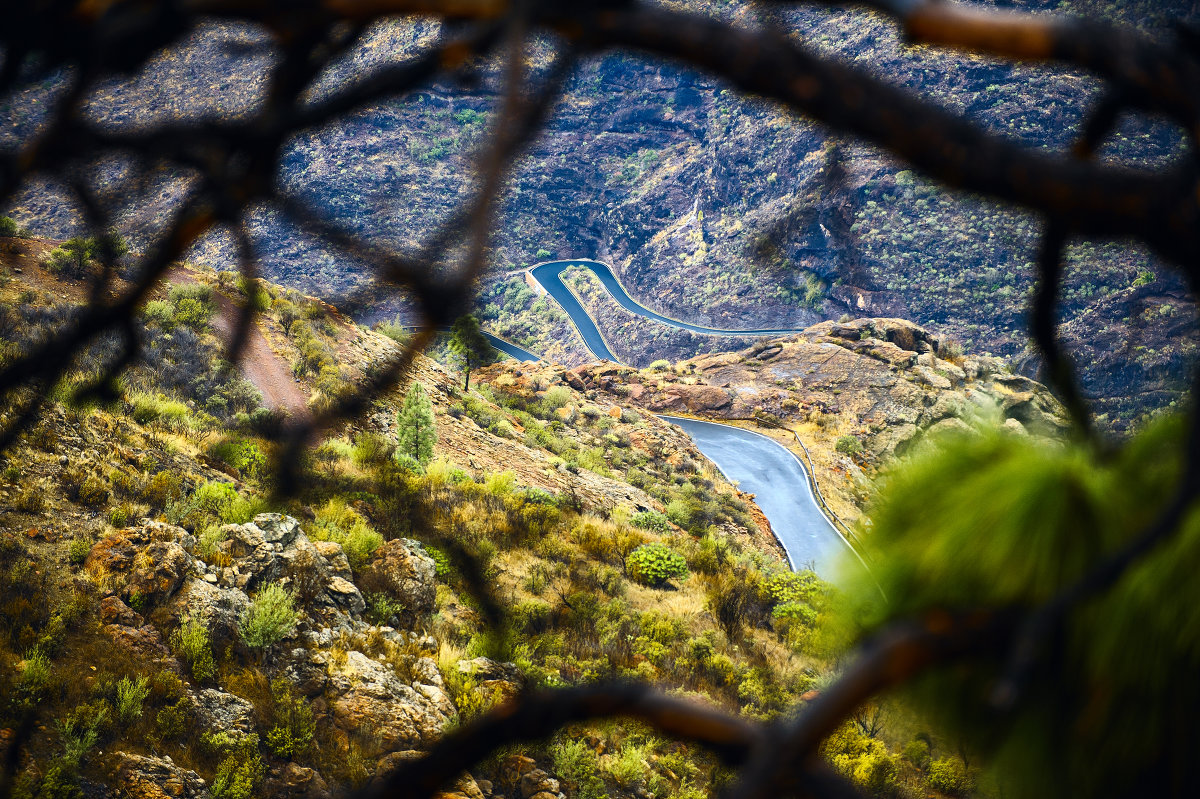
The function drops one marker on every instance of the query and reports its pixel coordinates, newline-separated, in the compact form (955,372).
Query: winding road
(760,465)
(549,276)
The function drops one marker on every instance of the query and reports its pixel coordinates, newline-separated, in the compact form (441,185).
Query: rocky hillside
(175,630)
(857,394)
(711,207)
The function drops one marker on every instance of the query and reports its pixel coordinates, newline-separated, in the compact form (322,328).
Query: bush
(338,522)
(192,646)
(292,733)
(35,676)
(651,520)
(78,549)
(916,752)
(575,762)
(162,489)
(381,608)
(241,768)
(131,695)
(371,449)
(849,445)
(270,618)
(948,775)
(94,492)
(173,720)
(655,565)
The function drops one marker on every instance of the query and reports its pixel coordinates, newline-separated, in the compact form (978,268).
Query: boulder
(296,782)
(219,608)
(369,695)
(537,784)
(147,777)
(221,710)
(401,569)
(145,564)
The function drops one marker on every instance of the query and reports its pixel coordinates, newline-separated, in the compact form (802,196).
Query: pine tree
(415,422)
(470,346)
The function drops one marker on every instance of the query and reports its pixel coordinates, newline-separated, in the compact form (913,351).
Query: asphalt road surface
(768,470)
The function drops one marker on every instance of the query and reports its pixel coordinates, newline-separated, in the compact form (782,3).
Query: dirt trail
(267,371)
(259,364)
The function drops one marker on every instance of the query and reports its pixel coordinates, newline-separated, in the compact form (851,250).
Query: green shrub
(442,565)
(849,445)
(119,516)
(292,733)
(660,365)
(244,456)
(655,564)
(948,775)
(916,752)
(94,492)
(35,675)
(174,719)
(575,762)
(131,695)
(159,313)
(162,489)
(241,768)
(371,449)
(338,522)
(192,646)
(78,549)
(651,520)
(381,608)
(270,618)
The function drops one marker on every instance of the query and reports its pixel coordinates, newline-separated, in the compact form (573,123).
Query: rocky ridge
(355,675)
(878,386)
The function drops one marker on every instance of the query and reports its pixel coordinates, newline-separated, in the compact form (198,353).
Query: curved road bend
(549,277)
(760,465)
(763,467)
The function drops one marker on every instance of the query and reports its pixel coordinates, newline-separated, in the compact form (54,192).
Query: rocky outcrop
(146,777)
(403,571)
(295,782)
(394,699)
(400,715)
(144,565)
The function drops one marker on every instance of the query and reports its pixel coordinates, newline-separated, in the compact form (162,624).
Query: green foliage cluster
(270,618)
(291,733)
(131,696)
(240,769)
(244,455)
(75,256)
(336,521)
(652,521)
(1001,521)
(194,648)
(655,565)
(190,305)
(209,504)
(849,445)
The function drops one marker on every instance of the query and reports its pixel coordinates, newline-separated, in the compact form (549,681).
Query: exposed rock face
(221,710)
(397,700)
(144,777)
(402,570)
(402,716)
(145,564)
(296,782)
